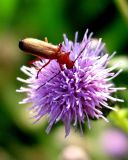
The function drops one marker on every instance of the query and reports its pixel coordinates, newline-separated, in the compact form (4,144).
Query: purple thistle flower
(72,95)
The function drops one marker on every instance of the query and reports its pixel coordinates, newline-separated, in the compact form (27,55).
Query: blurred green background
(19,138)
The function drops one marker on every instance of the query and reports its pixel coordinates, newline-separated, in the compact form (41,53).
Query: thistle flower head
(74,95)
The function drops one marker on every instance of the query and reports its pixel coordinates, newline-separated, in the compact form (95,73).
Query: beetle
(43,49)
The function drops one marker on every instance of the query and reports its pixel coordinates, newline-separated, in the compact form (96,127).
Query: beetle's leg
(42,68)
(31,62)
(61,67)
(59,47)
(46,39)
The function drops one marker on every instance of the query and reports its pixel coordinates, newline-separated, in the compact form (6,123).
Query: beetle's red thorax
(63,58)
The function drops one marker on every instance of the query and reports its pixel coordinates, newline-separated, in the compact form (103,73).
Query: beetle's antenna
(49,80)
(81,52)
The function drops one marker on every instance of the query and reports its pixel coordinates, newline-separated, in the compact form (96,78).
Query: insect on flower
(75,87)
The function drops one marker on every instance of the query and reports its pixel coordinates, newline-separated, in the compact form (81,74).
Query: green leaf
(120,119)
